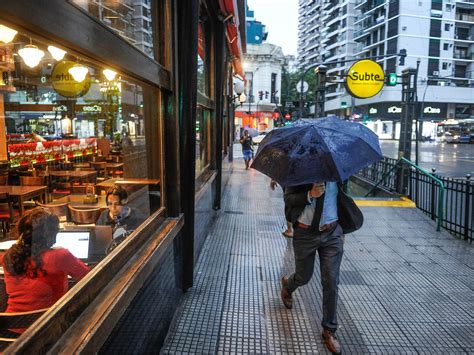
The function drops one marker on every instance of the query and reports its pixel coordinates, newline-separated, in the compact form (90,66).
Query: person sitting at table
(117,214)
(36,274)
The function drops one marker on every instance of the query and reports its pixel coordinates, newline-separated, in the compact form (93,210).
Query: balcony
(465,17)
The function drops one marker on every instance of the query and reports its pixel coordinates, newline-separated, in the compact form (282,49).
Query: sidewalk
(404,287)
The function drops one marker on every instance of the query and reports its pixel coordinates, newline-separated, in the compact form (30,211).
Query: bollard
(433,197)
(467,208)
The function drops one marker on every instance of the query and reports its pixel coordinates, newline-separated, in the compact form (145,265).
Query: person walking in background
(247,143)
(314,214)
(289,226)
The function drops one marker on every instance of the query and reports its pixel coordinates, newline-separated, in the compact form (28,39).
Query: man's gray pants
(330,248)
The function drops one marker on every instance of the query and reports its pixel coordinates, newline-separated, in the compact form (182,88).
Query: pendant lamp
(31,55)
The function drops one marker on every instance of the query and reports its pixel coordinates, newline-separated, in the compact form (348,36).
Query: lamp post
(241,97)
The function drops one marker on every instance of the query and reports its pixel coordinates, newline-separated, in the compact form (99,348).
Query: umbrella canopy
(316,150)
(253,132)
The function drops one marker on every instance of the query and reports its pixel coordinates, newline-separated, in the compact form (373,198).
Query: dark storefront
(152,97)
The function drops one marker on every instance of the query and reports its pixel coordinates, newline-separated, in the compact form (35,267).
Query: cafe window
(130,19)
(80,129)
(204,99)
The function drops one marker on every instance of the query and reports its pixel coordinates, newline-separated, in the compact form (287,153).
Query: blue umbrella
(316,150)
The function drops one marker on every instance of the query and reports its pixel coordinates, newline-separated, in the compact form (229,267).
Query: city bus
(457,131)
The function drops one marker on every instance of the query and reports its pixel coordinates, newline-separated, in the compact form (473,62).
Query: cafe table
(79,201)
(111,183)
(81,175)
(24,193)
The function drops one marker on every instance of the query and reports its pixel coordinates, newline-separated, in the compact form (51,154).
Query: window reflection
(131,19)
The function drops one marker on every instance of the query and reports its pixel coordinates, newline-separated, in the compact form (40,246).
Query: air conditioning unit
(435,72)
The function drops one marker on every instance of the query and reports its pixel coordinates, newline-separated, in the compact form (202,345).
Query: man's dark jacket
(350,216)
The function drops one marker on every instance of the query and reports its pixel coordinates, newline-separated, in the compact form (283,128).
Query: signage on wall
(63,82)
(373,111)
(365,78)
(394,109)
(430,109)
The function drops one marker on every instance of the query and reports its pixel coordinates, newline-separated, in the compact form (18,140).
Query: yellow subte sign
(365,78)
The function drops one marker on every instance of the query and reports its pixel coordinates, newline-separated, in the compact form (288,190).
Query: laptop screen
(76,242)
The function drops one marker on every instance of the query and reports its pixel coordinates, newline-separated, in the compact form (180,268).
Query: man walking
(314,214)
(247,143)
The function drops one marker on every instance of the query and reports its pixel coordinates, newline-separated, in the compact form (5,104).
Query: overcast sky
(281,19)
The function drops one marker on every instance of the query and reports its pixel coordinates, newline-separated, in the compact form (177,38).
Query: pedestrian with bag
(289,226)
(247,151)
(321,214)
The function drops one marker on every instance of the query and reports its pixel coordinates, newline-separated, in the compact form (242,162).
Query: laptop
(77,242)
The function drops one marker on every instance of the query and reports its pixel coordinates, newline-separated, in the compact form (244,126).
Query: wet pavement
(404,287)
(450,160)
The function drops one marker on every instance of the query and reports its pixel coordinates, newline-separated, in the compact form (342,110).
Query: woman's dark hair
(37,230)
(119,192)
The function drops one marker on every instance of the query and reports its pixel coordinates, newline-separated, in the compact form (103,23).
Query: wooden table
(77,201)
(23,193)
(111,183)
(73,174)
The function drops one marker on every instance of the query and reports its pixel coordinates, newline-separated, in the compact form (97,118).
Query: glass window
(83,129)
(129,18)
(203,134)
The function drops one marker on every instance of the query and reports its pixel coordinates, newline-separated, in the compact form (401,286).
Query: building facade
(437,34)
(72,74)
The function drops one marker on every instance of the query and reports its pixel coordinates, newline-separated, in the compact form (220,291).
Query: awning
(230,10)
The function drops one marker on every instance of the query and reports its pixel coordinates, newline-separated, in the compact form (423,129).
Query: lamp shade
(57,53)
(239,87)
(109,74)
(31,55)
(242,98)
(78,72)
(7,34)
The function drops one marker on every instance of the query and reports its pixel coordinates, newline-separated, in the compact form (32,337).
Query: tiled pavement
(405,288)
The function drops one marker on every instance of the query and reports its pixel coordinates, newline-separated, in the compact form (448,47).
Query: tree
(289,92)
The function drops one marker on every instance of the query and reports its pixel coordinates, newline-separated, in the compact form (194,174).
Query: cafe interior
(70,131)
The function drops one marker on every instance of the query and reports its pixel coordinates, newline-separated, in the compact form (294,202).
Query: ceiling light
(31,55)
(7,34)
(57,53)
(78,72)
(109,74)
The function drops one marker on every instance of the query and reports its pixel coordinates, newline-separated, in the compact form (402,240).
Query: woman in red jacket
(36,275)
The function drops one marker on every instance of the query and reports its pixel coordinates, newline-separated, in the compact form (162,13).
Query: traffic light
(260,95)
(402,55)
(266,94)
(392,79)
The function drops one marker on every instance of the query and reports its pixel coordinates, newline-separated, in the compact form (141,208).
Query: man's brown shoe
(285,295)
(331,341)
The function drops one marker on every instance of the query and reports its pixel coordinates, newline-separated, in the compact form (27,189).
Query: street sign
(289,104)
(365,78)
(392,79)
(343,104)
(305,86)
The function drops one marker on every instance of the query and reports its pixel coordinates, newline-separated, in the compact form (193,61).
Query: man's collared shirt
(329,213)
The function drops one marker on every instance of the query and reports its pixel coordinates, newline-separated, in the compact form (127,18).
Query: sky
(281,19)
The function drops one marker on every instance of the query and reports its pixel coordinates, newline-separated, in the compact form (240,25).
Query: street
(450,160)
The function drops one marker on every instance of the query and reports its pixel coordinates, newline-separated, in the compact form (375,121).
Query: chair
(3,180)
(79,189)
(6,213)
(59,209)
(31,181)
(16,320)
(84,216)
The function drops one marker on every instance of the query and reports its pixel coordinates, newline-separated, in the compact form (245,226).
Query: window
(445,46)
(435,28)
(203,135)
(447,26)
(436,4)
(83,132)
(273,87)
(118,15)
(445,65)
(434,48)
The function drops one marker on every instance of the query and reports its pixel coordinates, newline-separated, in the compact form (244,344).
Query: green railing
(434,178)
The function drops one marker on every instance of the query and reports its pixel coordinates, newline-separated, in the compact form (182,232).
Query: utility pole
(320,90)
(406,122)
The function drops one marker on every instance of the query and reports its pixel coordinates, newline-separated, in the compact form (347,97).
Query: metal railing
(456,196)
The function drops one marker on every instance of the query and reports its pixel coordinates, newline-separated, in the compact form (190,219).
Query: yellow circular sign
(63,82)
(365,78)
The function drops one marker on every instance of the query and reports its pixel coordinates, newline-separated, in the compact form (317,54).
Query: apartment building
(439,34)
